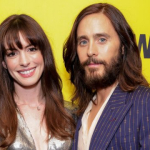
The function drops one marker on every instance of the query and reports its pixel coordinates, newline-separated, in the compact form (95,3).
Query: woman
(32,115)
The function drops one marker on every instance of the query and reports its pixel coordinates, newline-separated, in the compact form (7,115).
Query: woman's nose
(24,59)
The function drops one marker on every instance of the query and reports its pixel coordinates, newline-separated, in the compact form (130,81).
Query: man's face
(98,49)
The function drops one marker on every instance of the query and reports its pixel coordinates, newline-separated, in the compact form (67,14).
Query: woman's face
(25,65)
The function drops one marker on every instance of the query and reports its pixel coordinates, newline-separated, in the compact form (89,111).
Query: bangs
(12,40)
(12,36)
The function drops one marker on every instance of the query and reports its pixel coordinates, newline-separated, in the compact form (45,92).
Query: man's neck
(103,93)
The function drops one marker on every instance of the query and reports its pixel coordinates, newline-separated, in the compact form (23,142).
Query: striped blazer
(124,123)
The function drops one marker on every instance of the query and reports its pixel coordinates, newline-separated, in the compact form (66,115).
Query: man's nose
(92,49)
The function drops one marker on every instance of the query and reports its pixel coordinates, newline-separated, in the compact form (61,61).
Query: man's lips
(94,64)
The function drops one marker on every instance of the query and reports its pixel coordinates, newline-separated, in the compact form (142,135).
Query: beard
(93,80)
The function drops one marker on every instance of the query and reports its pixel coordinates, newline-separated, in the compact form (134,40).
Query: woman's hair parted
(131,72)
(58,122)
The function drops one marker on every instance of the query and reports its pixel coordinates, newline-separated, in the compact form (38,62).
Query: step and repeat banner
(57,16)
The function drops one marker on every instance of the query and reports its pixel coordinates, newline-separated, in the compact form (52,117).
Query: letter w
(142,41)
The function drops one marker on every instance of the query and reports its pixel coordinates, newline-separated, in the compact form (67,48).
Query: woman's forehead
(16,41)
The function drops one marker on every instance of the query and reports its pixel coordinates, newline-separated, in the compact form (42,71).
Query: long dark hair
(58,121)
(131,73)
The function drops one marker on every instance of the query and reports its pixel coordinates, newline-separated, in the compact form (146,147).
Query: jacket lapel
(75,141)
(110,119)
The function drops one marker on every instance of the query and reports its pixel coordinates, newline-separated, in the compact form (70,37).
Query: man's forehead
(90,17)
(97,24)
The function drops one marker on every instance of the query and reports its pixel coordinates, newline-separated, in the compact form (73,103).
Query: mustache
(93,60)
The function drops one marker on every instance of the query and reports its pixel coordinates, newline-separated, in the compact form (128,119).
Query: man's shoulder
(141,90)
(141,94)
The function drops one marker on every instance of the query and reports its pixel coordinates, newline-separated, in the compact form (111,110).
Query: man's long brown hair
(131,72)
(58,122)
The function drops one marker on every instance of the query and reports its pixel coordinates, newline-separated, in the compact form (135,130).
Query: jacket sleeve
(144,129)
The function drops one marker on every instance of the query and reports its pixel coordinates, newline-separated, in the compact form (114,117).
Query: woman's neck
(28,95)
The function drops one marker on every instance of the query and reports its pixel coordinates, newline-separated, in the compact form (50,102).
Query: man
(103,60)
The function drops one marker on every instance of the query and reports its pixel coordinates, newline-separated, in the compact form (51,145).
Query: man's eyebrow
(81,37)
(101,34)
(94,35)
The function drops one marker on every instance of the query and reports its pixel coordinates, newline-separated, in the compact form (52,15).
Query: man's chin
(94,74)
(97,81)
(93,69)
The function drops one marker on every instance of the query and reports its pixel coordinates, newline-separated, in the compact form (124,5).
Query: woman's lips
(27,72)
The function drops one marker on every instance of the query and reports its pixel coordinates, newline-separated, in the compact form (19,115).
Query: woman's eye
(32,49)
(11,54)
(102,40)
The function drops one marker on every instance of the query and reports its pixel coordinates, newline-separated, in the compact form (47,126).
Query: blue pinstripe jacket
(124,123)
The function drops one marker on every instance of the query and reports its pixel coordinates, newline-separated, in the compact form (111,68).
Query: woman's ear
(4,64)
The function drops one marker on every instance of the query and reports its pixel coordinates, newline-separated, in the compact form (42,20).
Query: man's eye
(84,42)
(102,40)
